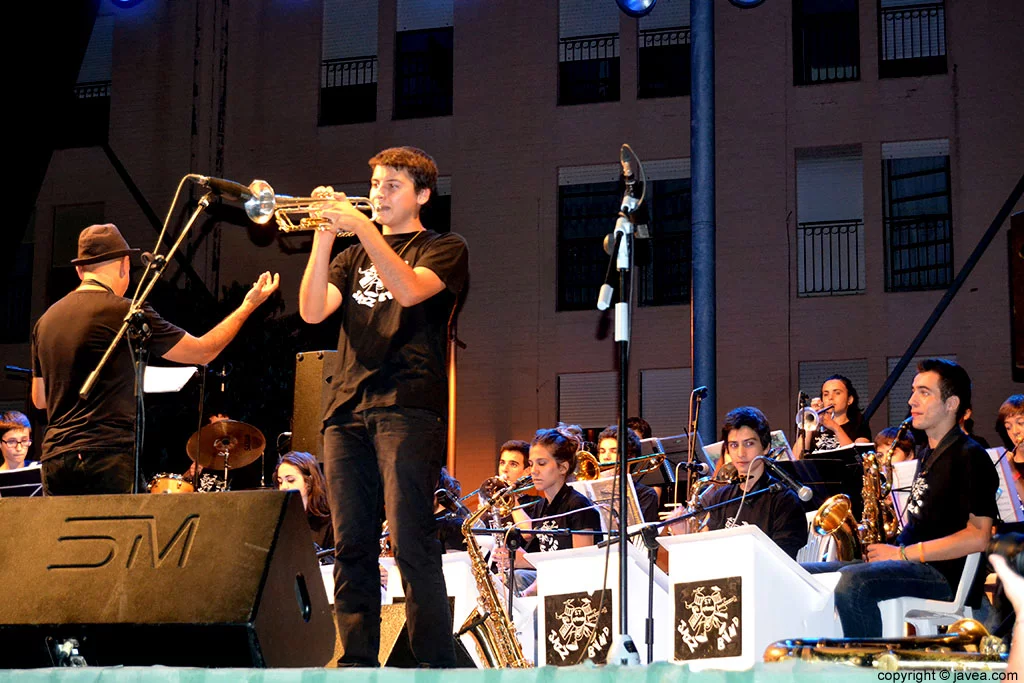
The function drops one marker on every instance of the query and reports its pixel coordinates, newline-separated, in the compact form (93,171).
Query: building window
(663,261)
(588,202)
(826,41)
(348,66)
(663,41)
(918,222)
(830,223)
(586,213)
(588,52)
(16,297)
(912,38)
(588,399)
(88,122)
(423,73)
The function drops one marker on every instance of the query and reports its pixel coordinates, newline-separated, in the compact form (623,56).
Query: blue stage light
(124,4)
(746,4)
(636,8)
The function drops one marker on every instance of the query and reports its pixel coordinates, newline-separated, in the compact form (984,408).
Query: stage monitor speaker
(313,371)
(204,579)
(395,650)
(1017,294)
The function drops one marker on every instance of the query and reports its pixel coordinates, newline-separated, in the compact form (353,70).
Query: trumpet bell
(262,202)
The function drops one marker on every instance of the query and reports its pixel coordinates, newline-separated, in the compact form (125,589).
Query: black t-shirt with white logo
(954,480)
(825,439)
(67,343)
(777,513)
(390,355)
(583,517)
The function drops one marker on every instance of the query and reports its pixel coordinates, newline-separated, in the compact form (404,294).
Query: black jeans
(86,474)
(398,451)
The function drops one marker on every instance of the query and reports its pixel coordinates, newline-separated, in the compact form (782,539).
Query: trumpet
(588,468)
(809,419)
(262,205)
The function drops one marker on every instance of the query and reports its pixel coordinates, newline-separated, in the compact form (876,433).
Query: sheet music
(166,380)
(1007,500)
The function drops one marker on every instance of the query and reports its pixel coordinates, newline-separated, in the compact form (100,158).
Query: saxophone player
(951,509)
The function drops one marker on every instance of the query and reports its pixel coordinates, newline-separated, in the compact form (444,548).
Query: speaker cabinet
(313,371)
(203,579)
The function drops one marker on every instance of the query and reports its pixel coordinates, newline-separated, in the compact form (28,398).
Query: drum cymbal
(240,442)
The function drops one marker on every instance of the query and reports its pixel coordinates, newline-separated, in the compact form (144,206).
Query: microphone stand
(136,318)
(622,649)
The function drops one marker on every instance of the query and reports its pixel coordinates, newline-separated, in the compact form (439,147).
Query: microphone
(228,189)
(625,158)
(802,492)
(701,392)
(451,503)
(700,468)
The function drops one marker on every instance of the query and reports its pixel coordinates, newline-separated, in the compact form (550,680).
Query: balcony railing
(918,252)
(913,41)
(340,73)
(85,91)
(348,90)
(830,258)
(664,63)
(588,69)
(89,118)
(826,48)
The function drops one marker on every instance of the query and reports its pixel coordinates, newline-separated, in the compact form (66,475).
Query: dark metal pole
(947,298)
(702,165)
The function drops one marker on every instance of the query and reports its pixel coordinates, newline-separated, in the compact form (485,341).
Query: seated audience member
(299,471)
(842,425)
(15,440)
(950,511)
(904,449)
(552,459)
(746,435)
(607,452)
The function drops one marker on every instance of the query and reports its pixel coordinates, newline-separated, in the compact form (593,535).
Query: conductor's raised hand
(261,290)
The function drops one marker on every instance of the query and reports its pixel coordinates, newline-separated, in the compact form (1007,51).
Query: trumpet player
(841,420)
(384,428)
(747,436)
(951,508)
(1010,426)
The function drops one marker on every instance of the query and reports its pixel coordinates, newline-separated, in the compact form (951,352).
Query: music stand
(827,477)
(676,450)
(25,482)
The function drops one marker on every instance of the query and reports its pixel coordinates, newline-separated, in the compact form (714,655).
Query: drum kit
(223,445)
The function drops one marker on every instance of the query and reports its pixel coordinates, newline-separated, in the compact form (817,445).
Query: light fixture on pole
(636,8)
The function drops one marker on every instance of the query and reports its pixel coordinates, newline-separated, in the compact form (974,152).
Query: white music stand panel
(744,590)
(1007,499)
(579,572)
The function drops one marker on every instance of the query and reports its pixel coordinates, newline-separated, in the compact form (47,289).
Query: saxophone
(490,625)
(878,524)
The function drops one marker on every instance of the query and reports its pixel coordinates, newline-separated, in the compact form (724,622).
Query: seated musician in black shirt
(778,513)
(552,458)
(607,452)
(299,471)
(950,511)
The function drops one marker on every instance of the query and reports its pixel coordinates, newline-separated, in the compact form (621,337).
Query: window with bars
(348,67)
(423,72)
(826,41)
(663,62)
(918,224)
(588,69)
(912,38)
(88,121)
(587,213)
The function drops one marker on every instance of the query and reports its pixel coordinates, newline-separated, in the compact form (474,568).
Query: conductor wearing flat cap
(89,442)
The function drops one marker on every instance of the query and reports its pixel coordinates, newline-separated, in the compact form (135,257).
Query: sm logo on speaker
(94,542)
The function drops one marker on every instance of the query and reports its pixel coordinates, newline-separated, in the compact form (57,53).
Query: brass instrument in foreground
(263,204)
(490,625)
(878,524)
(966,645)
(588,468)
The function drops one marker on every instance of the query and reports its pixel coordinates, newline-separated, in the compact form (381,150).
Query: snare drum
(169,483)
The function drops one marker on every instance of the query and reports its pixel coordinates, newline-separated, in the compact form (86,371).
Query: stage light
(636,8)
(746,4)
(124,4)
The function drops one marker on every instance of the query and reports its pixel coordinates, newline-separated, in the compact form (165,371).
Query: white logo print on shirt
(372,290)
(917,491)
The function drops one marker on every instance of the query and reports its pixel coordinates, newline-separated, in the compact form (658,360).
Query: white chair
(818,548)
(926,615)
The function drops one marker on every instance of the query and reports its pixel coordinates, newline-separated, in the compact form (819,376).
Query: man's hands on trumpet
(340,212)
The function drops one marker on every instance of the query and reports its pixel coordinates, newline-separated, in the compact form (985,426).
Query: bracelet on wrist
(903,552)
(920,549)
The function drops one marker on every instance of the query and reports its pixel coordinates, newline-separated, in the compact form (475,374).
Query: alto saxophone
(878,524)
(490,625)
